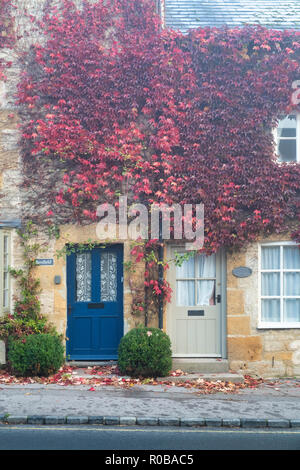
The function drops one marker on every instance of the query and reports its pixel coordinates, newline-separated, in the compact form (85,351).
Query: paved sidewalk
(273,403)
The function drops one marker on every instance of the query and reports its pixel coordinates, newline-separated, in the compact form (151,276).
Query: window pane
(185,293)
(291,310)
(287,132)
(291,284)
(287,127)
(83,277)
(270,258)
(270,284)
(206,266)
(108,277)
(287,150)
(206,293)
(186,270)
(270,310)
(291,257)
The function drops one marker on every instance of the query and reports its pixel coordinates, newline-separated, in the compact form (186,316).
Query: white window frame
(281,324)
(3,234)
(276,139)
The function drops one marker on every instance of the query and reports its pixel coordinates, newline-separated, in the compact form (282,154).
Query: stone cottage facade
(223,310)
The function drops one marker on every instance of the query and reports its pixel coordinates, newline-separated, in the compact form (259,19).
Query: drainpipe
(146,307)
(160,273)
(160,9)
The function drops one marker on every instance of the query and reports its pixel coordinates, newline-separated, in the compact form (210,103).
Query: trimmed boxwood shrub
(36,355)
(145,352)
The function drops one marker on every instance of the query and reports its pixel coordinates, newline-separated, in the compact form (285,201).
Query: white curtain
(291,257)
(205,292)
(271,310)
(108,276)
(206,267)
(291,283)
(270,257)
(186,270)
(185,290)
(83,277)
(185,293)
(270,284)
(291,310)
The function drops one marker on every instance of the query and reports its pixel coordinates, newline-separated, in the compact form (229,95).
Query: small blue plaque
(242,271)
(44,262)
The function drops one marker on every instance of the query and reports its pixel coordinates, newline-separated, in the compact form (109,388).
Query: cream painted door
(194,314)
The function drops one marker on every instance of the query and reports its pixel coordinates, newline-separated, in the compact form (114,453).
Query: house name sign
(242,271)
(44,262)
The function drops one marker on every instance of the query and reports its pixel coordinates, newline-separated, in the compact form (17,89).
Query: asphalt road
(124,438)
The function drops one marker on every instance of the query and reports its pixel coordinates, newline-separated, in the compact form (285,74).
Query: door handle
(69,309)
(219,298)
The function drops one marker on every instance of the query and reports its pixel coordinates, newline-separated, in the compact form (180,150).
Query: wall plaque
(242,271)
(44,262)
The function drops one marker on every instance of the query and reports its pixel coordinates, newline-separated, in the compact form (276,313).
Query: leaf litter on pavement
(108,375)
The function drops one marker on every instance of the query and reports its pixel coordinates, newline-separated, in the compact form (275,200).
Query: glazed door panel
(95,303)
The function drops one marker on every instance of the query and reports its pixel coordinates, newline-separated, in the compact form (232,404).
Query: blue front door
(95,303)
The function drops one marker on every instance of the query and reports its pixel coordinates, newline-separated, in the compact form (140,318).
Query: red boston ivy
(116,104)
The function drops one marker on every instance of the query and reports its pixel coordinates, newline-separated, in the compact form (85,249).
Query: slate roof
(276,14)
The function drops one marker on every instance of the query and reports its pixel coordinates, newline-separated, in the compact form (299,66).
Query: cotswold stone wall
(11,200)
(265,352)
(55,296)
(10,169)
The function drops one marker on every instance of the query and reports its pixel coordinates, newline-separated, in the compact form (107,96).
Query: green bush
(35,355)
(145,352)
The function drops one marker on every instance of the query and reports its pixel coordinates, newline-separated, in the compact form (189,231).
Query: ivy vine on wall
(113,104)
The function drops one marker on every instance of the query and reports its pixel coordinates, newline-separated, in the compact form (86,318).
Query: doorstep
(83,364)
(190,365)
(200,365)
(205,368)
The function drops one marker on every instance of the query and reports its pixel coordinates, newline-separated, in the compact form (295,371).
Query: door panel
(95,303)
(194,315)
